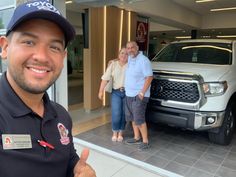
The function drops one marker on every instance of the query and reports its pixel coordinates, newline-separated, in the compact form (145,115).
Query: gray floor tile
(221,151)
(222,147)
(231,156)
(202,139)
(166,137)
(157,161)
(233,149)
(192,153)
(140,155)
(188,135)
(158,142)
(175,148)
(85,135)
(185,160)
(123,149)
(99,141)
(197,146)
(169,155)
(212,158)
(181,141)
(207,167)
(225,172)
(197,173)
(177,168)
(229,164)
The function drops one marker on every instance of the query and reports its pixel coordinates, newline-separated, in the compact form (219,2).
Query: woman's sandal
(114,138)
(120,138)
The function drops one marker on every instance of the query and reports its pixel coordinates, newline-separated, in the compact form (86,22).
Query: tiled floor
(107,163)
(186,153)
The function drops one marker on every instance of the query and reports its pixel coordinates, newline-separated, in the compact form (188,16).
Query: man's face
(35,53)
(132,49)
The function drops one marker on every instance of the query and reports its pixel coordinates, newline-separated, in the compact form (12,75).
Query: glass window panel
(18,2)
(3,64)
(5,16)
(197,52)
(6,2)
(0,61)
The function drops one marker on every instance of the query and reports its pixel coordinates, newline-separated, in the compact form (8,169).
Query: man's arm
(147,83)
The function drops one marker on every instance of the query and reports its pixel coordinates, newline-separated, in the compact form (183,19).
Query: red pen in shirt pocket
(45,144)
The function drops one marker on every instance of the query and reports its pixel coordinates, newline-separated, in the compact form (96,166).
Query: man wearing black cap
(35,133)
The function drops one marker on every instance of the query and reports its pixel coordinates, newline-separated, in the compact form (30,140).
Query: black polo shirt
(54,128)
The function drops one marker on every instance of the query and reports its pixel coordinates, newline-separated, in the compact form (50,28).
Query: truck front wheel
(225,133)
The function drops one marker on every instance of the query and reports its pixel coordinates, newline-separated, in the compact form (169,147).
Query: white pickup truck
(194,87)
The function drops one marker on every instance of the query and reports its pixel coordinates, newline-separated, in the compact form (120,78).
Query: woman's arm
(101,89)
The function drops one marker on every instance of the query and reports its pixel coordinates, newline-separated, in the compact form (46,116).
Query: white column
(61,86)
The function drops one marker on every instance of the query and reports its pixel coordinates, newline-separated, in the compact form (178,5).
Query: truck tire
(225,133)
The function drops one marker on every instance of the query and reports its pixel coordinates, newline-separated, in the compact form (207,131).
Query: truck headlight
(215,88)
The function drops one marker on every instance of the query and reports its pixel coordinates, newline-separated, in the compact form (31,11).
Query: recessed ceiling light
(226,36)
(183,37)
(69,2)
(223,9)
(199,1)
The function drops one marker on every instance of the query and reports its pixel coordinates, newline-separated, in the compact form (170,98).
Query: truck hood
(208,71)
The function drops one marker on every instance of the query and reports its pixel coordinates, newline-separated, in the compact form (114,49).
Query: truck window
(204,53)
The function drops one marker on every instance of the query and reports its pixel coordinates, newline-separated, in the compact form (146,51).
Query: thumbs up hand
(82,169)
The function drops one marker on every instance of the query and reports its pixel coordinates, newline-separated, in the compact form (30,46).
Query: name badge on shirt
(16,141)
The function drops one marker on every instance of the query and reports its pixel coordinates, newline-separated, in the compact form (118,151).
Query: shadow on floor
(183,152)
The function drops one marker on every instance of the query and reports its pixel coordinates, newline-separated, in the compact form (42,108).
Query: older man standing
(137,85)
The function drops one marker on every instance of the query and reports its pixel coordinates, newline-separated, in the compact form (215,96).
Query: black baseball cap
(41,9)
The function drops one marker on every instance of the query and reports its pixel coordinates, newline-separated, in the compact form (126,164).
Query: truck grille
(174,90)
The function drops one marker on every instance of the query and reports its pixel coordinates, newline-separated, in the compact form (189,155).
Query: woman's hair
(123,47)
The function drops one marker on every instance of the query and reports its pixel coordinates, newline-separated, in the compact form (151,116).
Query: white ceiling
(204,8)
(199,8)
(159,18)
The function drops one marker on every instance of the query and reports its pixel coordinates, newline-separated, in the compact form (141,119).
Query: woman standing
(116,71)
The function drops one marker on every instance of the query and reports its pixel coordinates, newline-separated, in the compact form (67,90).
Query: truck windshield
(206,53)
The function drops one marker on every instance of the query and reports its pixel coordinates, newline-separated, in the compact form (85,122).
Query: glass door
(6,11)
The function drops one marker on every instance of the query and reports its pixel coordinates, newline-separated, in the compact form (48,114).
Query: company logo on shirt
(63,134)
(7,141)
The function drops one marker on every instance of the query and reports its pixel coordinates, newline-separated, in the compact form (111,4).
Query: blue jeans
(117,110)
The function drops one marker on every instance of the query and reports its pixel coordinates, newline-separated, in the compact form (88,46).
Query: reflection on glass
(3,64)
(0,61)
(1,24)
(7,3)
(198,52)
(5,16)
(207,46)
